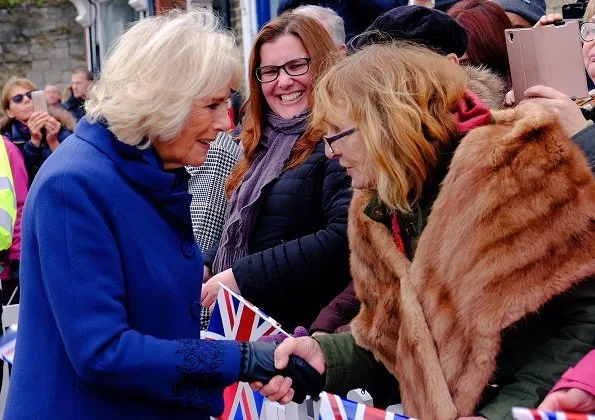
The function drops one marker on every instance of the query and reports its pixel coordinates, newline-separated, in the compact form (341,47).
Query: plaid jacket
(207,186)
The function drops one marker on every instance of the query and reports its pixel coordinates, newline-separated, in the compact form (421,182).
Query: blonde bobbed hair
(400,97)
(157,69)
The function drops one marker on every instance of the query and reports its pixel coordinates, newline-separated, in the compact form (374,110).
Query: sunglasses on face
(329,140)
(18,99)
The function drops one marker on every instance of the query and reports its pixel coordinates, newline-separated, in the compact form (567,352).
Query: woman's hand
(35,123)
(548,19)
(52,127)
(278,389)
(211,288)
(572,399)
(570,115)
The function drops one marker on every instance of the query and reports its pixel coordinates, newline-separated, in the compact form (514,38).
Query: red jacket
(582,376)
(21,181)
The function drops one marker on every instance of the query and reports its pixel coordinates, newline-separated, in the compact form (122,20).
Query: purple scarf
(278,139)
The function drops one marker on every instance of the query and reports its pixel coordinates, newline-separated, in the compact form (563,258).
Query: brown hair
(10,85)
(323,53)
(83,70)
(485,22)
(400,97)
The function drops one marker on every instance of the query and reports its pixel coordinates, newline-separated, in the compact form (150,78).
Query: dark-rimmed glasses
(588,31)
(17,99)
(295,67)
(330,140)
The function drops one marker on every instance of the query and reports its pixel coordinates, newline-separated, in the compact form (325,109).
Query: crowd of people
(379,186)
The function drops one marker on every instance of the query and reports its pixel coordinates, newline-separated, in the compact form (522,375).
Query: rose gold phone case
(547,55)
(40,103)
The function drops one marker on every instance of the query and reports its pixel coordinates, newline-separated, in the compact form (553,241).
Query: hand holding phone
(36,124)
(549,55)
(569,114)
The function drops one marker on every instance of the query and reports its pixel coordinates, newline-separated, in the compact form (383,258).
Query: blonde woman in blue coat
(111,274)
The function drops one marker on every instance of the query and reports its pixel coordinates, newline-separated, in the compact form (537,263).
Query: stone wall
(40,42)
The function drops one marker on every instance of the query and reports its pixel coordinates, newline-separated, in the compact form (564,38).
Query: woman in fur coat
(499,298)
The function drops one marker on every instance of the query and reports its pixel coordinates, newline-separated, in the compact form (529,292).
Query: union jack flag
(532,414)
(7,344)
(333,407)
(234,318)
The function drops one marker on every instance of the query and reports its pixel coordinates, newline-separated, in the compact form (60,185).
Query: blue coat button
(188,249)
(196,308)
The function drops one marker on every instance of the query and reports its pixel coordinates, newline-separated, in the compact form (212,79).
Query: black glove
(258,365)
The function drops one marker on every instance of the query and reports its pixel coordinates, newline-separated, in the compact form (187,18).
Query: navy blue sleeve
(299,265)
(34,157)
(86,290)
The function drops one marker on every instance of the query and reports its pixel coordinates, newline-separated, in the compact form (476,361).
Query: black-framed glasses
(588,31)
(295,67)
(330,140)
(17,99)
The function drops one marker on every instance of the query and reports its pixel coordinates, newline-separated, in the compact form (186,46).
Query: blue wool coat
(110,301)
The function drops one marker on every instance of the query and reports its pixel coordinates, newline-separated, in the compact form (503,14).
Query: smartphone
(40,103)
(549,55)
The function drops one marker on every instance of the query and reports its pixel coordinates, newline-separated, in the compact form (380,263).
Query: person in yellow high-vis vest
(8,200)
(13,191)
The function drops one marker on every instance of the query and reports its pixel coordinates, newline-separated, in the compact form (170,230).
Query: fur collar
(512,227)
(490,87)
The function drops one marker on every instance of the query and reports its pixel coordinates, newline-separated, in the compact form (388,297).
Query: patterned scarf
(278,139)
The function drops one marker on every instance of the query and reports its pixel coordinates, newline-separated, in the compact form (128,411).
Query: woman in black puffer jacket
(284,243)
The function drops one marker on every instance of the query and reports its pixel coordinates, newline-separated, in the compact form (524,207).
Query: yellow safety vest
(8,200)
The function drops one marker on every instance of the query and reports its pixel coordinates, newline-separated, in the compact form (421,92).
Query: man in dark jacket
(81,81)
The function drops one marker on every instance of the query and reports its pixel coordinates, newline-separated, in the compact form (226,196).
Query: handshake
(257,365)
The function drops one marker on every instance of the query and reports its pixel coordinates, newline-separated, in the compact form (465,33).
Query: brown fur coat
(512,227)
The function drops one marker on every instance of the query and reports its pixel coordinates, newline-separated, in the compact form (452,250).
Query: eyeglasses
(296,67)
(588,31)
(17,99)
(330,140)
